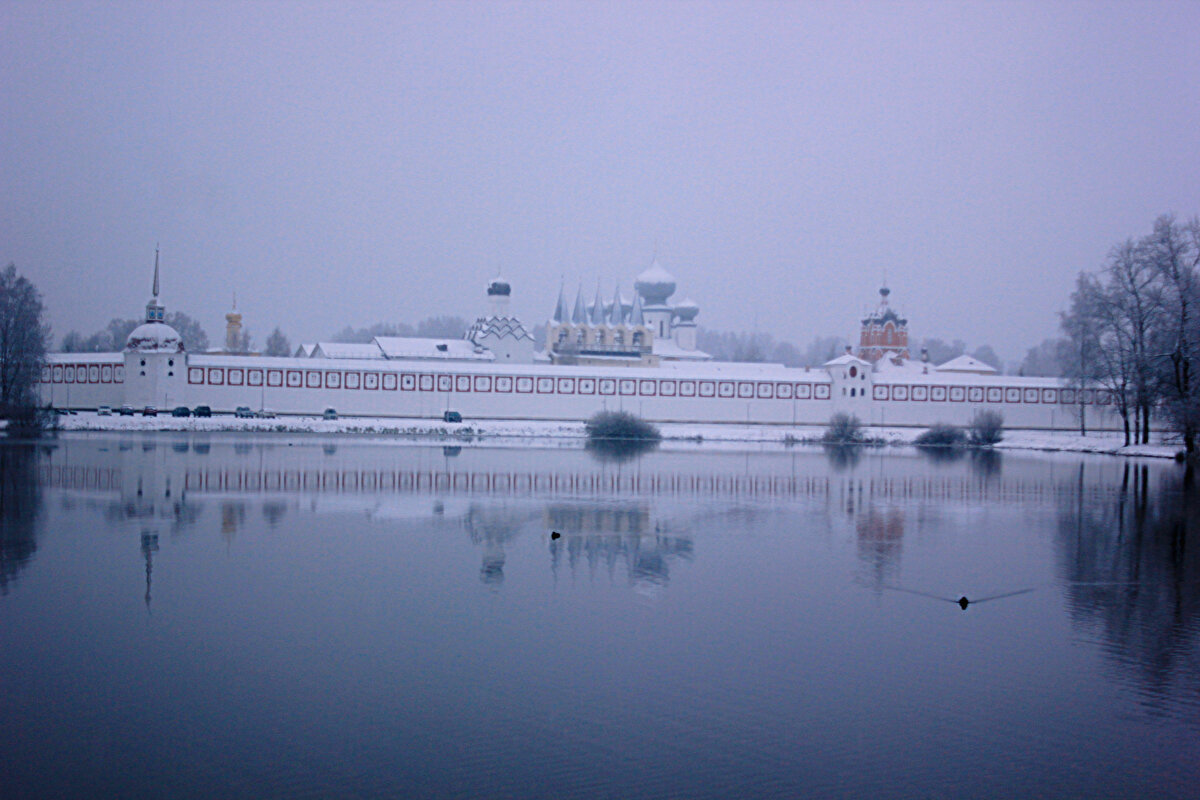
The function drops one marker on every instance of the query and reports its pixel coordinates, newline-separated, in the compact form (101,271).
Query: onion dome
(686,311)
(154,337)
(498,287)
(655,285)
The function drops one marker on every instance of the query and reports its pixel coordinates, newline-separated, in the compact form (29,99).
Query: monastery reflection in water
(1128,568)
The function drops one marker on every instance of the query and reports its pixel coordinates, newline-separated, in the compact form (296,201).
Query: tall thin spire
(579,315)
(155,271)
(616,315)
(560,309)
(598,307)
(635,317)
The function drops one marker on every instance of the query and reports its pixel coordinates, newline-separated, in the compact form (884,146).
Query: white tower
(654,286)
(684,329)
(155,362)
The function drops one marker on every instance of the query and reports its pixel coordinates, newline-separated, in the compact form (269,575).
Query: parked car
(150,411)
(125,411)
(202,411)
(330,414)
(263,413)
(181,411)
(104,411)
(243,412)
(452,416)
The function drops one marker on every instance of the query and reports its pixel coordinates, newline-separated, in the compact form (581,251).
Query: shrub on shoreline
(987,428)
(942,435)
(843,429)
(620,425)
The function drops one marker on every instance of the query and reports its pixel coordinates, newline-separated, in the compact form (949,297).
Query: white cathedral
(643,332)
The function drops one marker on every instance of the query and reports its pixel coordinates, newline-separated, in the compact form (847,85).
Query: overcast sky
(341,163)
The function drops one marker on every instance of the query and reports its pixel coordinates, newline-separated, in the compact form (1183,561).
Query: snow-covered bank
(1106,443)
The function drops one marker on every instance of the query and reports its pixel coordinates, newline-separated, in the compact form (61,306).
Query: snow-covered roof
(346,350)
(894,366)
(965,363)
(499,327)
(668,349)
(85,358)
(411,347)
(305,350)
(844,360)
(154,337)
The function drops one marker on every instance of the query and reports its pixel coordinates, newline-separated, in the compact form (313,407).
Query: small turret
(233,329)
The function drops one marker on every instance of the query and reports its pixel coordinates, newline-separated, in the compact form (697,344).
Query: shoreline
(1103,443)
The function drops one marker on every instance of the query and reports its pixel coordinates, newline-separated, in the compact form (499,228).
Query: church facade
(635,355)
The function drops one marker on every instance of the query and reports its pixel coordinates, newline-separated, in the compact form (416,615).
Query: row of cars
(152,411)
(241,412)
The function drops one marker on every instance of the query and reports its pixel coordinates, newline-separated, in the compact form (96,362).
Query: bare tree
(1044,360)
(23,340)
(443,327)
(1173,251)
(1081,366)
(278,344)
(190,331)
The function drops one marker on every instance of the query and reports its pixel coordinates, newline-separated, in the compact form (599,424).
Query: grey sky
(337,165)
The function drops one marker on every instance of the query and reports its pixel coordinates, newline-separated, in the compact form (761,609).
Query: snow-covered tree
(24,338)
(278,344)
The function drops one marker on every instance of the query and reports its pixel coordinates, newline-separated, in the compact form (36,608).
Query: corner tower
(154,358)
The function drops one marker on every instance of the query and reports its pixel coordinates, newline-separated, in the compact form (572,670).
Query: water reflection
(1132,572)
(879,536)
(607,537)
(620,451)
(843,457)
(20,504)
(436,572)
(983,461)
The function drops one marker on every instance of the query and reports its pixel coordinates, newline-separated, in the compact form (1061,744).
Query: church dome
(154,337)
(498,286)
(655,285)
(686,311)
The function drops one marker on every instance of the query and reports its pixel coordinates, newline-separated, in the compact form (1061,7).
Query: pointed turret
(597,317)
(635,316)
(154,310)
(616,314)
(560,308)
(579,315)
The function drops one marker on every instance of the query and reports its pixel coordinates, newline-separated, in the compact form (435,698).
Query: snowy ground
(712,434)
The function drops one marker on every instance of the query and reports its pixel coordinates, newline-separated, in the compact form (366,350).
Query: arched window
(619,338)
(581,337)
(637,339)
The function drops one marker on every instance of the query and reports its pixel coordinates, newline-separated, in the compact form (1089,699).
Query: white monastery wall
(733,393)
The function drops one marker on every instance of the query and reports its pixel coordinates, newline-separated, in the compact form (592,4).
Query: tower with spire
(154,357)
(884,332)
(233,329)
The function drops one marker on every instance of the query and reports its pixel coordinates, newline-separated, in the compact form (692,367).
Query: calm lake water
(229,616)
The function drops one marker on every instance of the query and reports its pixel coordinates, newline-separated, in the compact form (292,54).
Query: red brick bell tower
(884,332)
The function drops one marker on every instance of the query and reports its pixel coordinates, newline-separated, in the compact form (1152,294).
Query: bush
(620,425)
(987,428)
(28,422)
(843,429)
(942,435)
